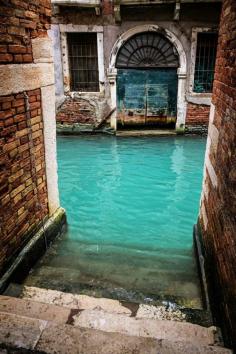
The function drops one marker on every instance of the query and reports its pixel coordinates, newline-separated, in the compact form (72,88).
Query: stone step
(50,337)
(105,285)
(56,306)
(146,132)
(84,302)
(34,309)
(141,327)
(106,315)
(163,311)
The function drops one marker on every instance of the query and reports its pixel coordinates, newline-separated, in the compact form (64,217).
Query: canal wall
(28,167)
(218,201)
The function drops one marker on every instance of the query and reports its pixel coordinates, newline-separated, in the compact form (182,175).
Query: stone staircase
(50,321)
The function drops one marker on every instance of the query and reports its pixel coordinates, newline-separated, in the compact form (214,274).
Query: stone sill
(79,3)
(155,2)
(199,98)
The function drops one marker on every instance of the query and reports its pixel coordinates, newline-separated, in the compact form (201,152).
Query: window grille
(205,62)
(83,60)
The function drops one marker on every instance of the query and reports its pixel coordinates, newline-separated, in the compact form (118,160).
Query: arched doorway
(140,48)
(147,81)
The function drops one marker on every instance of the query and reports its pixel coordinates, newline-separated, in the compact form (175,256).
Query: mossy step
(75,281)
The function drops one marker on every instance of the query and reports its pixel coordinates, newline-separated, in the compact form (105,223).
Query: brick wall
(76,111)
(107,7)
(218,205)
(197,118)
(21,20)
(197,114)
(23,192)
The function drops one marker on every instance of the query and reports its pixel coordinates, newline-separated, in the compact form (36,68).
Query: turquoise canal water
(131,204)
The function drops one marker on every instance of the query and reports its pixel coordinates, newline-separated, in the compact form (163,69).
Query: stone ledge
(17,78)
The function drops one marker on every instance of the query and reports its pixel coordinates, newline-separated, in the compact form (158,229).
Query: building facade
(135,63)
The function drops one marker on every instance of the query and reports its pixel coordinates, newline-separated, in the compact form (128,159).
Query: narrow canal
(131,204)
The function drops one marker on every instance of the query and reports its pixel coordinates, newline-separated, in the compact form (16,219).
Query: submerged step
(105,285)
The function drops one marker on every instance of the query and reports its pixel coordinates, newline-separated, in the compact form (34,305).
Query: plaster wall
(161,16)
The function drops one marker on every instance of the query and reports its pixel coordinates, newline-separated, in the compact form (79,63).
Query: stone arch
(147,50)
(181,72)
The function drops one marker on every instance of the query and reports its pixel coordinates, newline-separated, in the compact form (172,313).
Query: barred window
(205,62)
(83,61)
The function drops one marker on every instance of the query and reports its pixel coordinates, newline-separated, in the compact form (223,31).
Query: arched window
(148,49)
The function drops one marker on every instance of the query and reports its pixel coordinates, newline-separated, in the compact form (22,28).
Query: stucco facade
(114,26)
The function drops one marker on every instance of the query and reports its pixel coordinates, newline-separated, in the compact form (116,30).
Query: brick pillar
(28,176)
(218,202)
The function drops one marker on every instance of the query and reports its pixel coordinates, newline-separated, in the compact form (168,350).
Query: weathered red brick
(18,58)
(8,122)
(17,164)
(17,49)
(3,49)
(218,233)
(34,105)
(18,102)
(6,58)
(19,118)
(6,105)
(27,58)
(20,31)
(6,114)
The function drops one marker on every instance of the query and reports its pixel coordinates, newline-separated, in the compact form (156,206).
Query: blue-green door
(147,96)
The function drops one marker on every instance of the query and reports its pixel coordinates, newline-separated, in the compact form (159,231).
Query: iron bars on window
(83,60)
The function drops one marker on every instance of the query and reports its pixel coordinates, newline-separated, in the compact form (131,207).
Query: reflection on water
(131,204)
